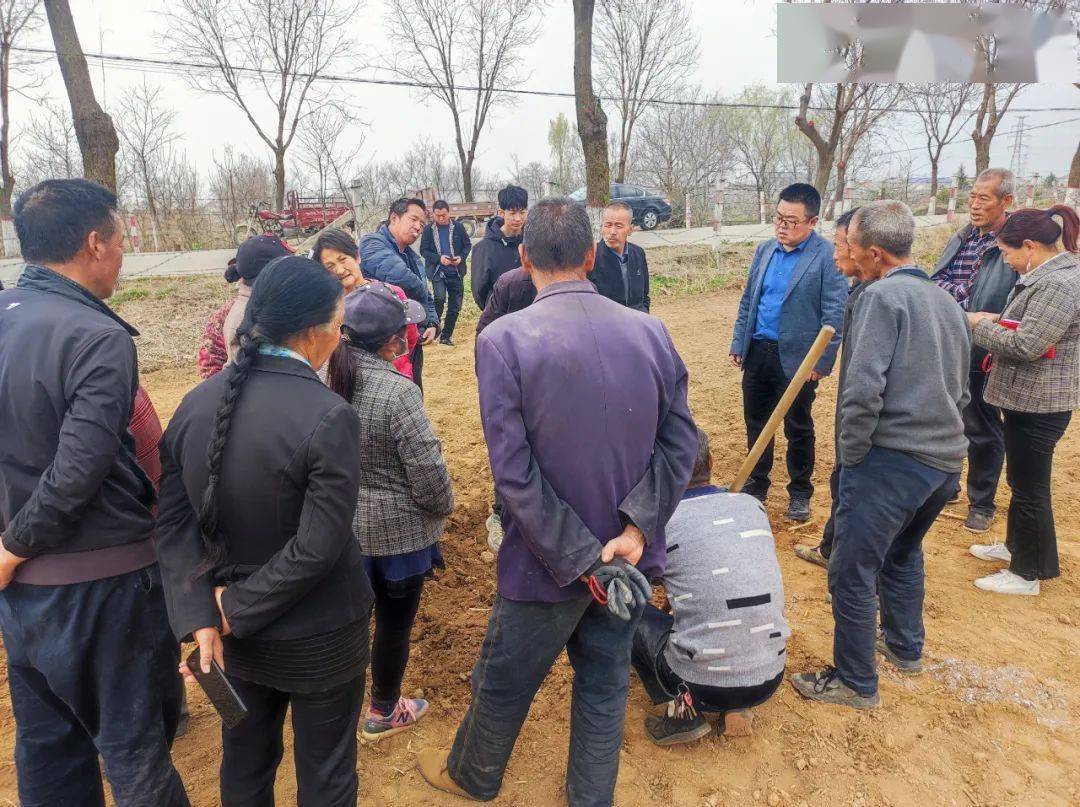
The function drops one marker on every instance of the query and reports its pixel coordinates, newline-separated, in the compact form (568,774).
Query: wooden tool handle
(824,336)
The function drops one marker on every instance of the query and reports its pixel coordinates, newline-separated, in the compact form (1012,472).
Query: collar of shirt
(1042,269)
(797,248)
(567,287)
(282,352)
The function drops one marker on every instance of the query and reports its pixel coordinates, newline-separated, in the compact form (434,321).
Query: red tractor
(302,217)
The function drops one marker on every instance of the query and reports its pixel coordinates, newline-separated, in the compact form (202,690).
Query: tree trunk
(7,180)
(982,152)
(591,120)
(933,178)
(94,129)
(279,179)
(466,179)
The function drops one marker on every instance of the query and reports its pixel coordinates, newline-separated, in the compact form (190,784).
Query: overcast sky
(737,48)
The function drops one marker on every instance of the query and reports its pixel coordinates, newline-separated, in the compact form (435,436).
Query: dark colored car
(650,209)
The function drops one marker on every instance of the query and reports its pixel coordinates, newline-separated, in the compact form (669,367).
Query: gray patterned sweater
(724,585)
(405,493)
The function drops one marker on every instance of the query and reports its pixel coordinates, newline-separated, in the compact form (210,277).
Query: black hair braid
(213,540)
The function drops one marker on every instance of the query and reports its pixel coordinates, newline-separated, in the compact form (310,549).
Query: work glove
(618,585)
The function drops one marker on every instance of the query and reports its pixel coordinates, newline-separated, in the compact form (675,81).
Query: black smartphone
(218,689)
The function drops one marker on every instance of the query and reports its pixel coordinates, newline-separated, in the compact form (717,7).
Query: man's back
(594,380)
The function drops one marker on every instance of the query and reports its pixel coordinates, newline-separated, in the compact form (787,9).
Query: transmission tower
(1019,149)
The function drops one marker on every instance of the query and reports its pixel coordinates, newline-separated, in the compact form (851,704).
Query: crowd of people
(304,493)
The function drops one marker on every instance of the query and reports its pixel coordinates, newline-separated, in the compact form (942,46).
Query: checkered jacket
(405,493)
(1046,302)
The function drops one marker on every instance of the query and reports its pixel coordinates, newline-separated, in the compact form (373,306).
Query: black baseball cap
(253,255)
(374,312)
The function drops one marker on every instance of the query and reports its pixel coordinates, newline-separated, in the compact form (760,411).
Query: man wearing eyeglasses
(792,291)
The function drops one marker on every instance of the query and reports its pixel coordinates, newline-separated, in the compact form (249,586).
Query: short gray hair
(622,207)
(557,234)
(886,224)
(1006,180)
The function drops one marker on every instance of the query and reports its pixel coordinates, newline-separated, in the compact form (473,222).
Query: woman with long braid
(256,543)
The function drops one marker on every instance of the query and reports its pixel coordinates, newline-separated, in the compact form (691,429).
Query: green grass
(129,295)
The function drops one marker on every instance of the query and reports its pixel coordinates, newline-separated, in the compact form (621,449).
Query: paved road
(160,264)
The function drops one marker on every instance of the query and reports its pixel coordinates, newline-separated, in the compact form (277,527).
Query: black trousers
(417,358)
(662,684)
(448,290)
(1030,440)
(324,746)
(92,671)
(763,385)
(986,447)
(396,603)
(829,532)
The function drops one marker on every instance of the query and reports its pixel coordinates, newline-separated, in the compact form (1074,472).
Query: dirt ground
(994,720)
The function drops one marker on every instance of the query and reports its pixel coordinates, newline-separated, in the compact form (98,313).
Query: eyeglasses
(786,221)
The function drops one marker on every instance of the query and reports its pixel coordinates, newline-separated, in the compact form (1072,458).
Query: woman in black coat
(256,546)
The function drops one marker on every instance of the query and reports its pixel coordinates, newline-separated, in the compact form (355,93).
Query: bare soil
(994,720)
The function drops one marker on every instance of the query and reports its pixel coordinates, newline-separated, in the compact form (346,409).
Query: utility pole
(1016,164)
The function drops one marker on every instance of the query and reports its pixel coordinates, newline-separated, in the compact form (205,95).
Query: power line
(173,67)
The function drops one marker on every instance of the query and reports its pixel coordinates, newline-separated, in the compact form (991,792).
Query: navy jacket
(290,478)
(606,275)
(432,255)
(492,257)
(815,297)
(584,409)
(380,259)
(69,478)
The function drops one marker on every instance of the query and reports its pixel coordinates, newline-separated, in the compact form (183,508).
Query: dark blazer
(429,249)
(606,275)
(815,297)
(287,497)
(511,292)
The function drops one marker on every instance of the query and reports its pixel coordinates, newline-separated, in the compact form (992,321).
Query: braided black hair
(291,295)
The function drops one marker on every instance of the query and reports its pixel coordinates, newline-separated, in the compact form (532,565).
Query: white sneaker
(1005,582)
(991,552)
(495,532)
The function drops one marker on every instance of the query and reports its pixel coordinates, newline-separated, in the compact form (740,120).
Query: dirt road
(995,720)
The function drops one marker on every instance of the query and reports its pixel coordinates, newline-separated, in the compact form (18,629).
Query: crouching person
(722,650)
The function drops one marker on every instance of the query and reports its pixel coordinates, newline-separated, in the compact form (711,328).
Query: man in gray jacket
(902,447)
(973,271)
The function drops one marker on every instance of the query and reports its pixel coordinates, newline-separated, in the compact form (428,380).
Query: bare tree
(760,134)
(993,105)
(683,148)
(324,151)
(18,18)
(238,181)
(267,56)
(591,119)
(644,49)
(49,149)
(567,167)
(532,176)
(467,51)
(869,110)
(94,129)
(147,134)
(944,110)
(1072,184)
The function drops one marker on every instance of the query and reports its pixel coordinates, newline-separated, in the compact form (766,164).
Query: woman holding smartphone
(256,544)
(1035,380)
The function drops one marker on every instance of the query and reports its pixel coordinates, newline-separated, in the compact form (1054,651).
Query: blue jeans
(887,504)
(92,670)
(523,640)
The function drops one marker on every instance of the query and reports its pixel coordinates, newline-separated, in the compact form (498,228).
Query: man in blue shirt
(793,289)
(445,246)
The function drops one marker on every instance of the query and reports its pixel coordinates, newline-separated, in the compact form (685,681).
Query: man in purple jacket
(591,445)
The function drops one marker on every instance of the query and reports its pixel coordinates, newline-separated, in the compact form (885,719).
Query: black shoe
(757,493)
(826,686)
(978,522)
(904,665)
(799,509)
(446,342)
(671,729)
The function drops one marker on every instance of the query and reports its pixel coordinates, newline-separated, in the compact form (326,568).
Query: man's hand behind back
(628,546)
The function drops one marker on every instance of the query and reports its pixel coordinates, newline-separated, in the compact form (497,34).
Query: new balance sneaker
(978,522)
(991,552)
(825,686)
(1006,582)
(904,665)
(676,726)
(406,714)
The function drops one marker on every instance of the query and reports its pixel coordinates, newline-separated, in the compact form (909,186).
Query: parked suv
(650,209)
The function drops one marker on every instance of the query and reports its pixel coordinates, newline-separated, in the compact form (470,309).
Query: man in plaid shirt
(973,271)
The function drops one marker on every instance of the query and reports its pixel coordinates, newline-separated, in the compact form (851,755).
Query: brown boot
(739,723)
(431,763)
